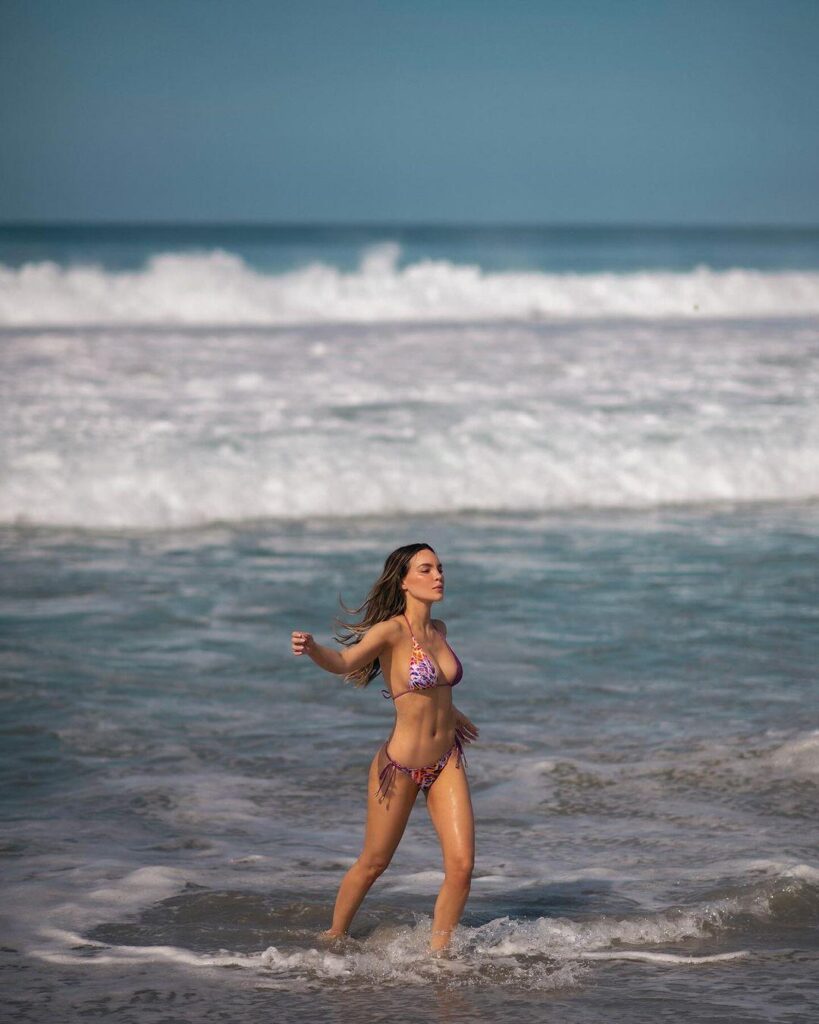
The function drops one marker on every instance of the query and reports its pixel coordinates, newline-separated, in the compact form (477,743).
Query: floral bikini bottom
(422,777)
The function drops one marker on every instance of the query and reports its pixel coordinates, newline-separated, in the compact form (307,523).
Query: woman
(396,636)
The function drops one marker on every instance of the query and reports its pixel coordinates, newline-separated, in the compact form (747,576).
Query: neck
(418,612)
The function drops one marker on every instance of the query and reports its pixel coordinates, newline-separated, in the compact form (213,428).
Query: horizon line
(415,225)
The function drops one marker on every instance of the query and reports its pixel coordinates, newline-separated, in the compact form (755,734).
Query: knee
(458,870)
(373,866)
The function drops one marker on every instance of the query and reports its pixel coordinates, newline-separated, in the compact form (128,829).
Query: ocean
(210,434)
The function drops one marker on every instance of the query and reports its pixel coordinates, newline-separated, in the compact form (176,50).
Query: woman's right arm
(377,639)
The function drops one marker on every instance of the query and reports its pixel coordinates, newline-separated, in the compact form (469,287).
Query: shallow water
(182,799)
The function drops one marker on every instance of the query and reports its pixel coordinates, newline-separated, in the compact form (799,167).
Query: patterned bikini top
(423,675)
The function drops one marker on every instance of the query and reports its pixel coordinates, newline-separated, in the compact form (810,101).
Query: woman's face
(425,576)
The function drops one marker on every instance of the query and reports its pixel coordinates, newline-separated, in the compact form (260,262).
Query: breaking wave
(218,287)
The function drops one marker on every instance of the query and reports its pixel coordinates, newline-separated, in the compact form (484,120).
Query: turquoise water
(626,507)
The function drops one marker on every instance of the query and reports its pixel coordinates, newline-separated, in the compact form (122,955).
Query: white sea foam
(178,428)
(219,288)
(611,937)
(739,758)
(799,756)
(169,489)
(645,956)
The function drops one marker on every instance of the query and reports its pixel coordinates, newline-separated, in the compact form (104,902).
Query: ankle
(440,939)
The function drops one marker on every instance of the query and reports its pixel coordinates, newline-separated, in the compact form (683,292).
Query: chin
(438,595)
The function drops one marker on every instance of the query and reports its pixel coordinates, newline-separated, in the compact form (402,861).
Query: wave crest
(218,287)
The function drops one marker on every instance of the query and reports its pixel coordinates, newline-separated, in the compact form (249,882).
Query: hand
(302,643)
(466,730)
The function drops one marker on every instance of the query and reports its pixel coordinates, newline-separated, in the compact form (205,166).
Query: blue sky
(699,111)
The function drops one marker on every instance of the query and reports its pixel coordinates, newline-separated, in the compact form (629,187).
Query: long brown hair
(385,599)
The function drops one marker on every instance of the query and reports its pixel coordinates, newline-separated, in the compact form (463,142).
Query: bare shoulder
(389,631)
(440,625)
(376,640)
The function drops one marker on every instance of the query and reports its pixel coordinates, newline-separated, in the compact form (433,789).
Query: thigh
(387,818)
(450,807)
